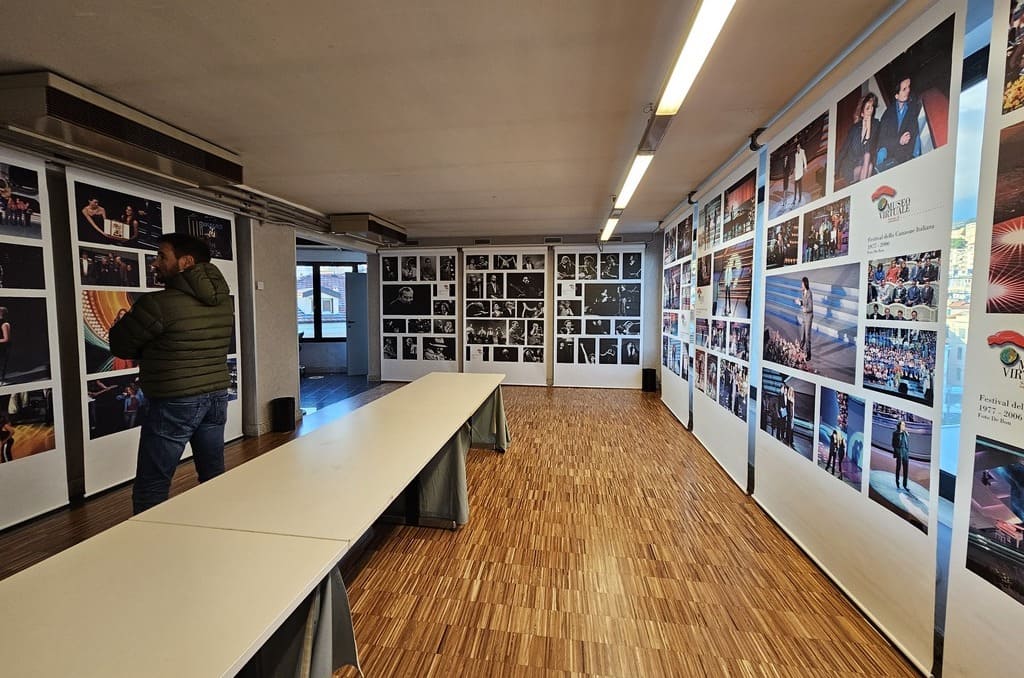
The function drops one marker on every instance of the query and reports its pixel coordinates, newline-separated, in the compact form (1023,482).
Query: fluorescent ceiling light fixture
(609,226)
(640,164)
(710,19)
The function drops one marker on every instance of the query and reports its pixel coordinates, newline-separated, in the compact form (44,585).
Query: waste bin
(650,379)
(282,414)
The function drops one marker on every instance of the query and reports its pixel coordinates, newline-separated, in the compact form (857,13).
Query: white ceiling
(451,118)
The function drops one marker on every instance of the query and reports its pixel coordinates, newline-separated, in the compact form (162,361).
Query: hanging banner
(859,216)
(506,313)
(419,313)
(676,298)
(599,334)
(725,282)
(986,578)
(33,471)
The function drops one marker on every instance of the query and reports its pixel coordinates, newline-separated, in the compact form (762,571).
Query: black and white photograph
(630,352)
(20,213)
(732,280)
(608,351)
(475,286)
(632,265)
(740,207)
(114,403)
(494,286)
(827,231)
(478,262)
(898,114)
(787,411)
(108,268)
(995,542)
(21,267)
(904,287)
(901,463)
(811,320)
(796,170)
(535,333)
(611,268)
(439,348)
(503,309)
(900,361)
(525,286)
(586,351)
(569,307)
(505,354)
(26,424)
(612,300)
(478,309)
(447,268)
(841,441)
(568,326)
(394,326)
(530,309)
(487,332)
(506,262)
(232,379)
(533,354)
(419,326)
(390,348)
(410,269)
(428,269)
(24,341)
(565,350)
(443,326)
(406,299)
(627,326)
(110,217)
(566,269)
(214,231)
(152,279)
(684,238)
(444,307)
(587,269)
(389,269)
(410,348)
(533,262)
(598,327)
(516,333)
(100,310)
(783,244)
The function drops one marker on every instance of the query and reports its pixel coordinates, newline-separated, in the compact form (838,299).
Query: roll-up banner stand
(420,313)
(116,227)
(599,316)
(507,309)
(33,472)
(859,213)
(677,314)
(985,604)
(726,218)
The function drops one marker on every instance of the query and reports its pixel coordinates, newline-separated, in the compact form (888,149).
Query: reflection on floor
(317,391)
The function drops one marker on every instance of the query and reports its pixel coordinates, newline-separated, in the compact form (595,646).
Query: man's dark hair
(187,245)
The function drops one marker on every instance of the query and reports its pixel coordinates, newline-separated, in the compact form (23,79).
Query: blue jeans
(167,425)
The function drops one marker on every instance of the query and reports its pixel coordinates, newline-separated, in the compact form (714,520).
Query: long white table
(144,599)
(334,482)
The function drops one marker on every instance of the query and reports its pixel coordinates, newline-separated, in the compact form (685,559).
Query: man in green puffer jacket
(180,336)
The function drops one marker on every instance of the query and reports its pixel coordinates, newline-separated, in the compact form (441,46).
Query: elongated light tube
(710,19)
(640,164)
(609,227)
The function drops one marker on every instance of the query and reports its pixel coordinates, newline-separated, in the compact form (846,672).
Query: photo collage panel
(418,307)
(504,307)
(598,317)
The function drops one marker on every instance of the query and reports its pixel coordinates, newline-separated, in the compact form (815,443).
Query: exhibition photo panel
(796,174)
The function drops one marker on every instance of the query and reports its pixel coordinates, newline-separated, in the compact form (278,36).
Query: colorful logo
(890,207)
(1010,344)
(882,196)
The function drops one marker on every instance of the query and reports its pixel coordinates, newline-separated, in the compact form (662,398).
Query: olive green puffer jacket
(180,335)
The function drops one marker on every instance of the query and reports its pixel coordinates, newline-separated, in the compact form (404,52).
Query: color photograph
(21,267)
(784,244)
(900,361)
(151,278)
(702,332)
(733,387)
(19,202)
(841,441)
(684,238)
(214,231)
(1013,78)
(904,287)
(710,232)
(796,170)
(100,310)
(700,368)
(670,323)
(26,424)
(738,343)
(669,245)
(108,268)
(1006,264)
(670,288)
(114,403)
(901,459)
(731,280)
(787,410)
(109,217)
(900,113)
(711,385)
(827,232)
(995,542)
(811,320)
(740,207)
(24,341)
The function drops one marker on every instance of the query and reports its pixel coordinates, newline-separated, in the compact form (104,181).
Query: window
(320,300)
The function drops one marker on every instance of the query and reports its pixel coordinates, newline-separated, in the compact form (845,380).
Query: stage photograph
(26,424)
(900,361)
(1006,262)
(700,369)
(811,320)
(406,299)
(114,404)
(109,217)
(841,441)
(733,387)
(787,411)
(783,244)
(740,207)
(214,231)
(827,232)
(100,310)
(904,287)
(108,268)
(24,341)
(796,169)
(710,232)
(900,113)
(684,238)
(995,542)
(900,468)
(20,211)
(21,267)
(731,280)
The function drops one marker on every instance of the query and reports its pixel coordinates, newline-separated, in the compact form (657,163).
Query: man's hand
(904,138)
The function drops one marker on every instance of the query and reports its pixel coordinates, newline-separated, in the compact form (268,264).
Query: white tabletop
(144,599)
(334,482)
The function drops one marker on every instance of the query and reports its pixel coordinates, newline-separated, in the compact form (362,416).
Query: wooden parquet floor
(605,542)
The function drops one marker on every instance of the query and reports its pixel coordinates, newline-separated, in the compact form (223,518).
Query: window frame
(318,328)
